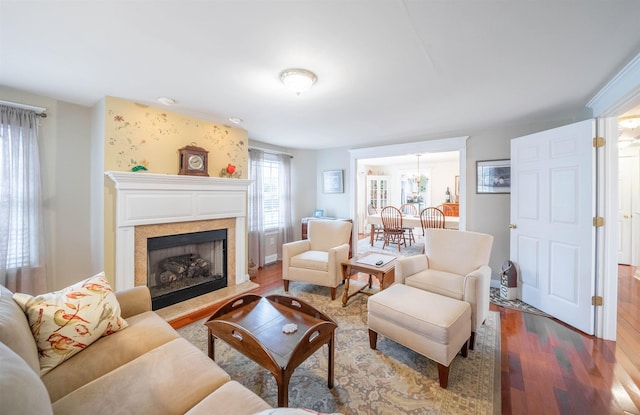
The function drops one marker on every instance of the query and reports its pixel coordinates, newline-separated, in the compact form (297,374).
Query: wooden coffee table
(253,326)
(351,266)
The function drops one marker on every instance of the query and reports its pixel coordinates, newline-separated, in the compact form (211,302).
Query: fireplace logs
(182,266)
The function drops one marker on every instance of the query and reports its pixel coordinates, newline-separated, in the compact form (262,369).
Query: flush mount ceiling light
(235,120)
(630,121)
(298,80)
(166,100)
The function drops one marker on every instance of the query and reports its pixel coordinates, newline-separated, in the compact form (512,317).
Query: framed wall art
(493,176)
(332,181)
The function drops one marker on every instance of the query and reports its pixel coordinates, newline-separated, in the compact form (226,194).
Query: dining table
(411,221)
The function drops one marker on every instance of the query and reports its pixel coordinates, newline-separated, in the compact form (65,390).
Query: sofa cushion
(14,330)
(234,398)
(65,322)
(439,282)
(316,260)
(457,252)
(21,391)
(146,331)
(169,379)
(327,234)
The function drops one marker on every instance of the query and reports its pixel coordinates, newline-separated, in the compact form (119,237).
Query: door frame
(458,144)
(619,95)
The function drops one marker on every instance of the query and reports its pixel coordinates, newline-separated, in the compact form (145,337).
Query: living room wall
(71,133)
(137,134)
(487,213)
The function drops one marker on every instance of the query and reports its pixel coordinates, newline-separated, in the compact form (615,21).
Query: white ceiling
(388,70)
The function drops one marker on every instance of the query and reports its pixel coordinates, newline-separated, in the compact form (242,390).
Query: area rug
(390,380)
(516,304)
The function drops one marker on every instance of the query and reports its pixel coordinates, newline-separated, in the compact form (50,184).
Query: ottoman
(433,325)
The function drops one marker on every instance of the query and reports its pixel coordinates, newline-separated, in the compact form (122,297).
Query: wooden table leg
(331,344)
(283,389)
(211,345)
(346,276)
(372,234)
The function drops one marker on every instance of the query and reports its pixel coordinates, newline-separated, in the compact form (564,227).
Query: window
(271,194)
(21,231)
(17,229)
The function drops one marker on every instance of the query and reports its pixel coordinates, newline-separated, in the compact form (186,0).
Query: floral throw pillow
(67,321)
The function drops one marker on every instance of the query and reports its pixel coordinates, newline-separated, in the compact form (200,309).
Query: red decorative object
(230,168)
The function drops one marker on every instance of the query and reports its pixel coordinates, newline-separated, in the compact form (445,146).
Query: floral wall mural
(139,135)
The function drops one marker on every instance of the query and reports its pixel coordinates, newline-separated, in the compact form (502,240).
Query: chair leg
(333,293)
(443,375)
(286,285)
(373,339)
(465,349)
(472,340)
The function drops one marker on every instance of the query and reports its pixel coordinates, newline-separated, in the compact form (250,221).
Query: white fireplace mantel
(148,198)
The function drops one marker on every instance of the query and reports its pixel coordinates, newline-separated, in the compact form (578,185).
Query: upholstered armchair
(455,264)
(317,260)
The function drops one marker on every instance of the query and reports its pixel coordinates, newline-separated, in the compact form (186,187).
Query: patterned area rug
(389,380)
(514,304)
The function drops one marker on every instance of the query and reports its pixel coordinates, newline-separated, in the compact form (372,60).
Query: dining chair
(409,209)
(377,229)
(431,217)
(392,227)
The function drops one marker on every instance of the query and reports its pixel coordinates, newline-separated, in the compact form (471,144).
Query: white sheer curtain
(22,253)
(286,230)
(256,220)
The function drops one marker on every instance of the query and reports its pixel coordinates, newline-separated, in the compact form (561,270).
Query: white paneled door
(552,210)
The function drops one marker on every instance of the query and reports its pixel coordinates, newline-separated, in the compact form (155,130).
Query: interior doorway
(417,179)
(357,202)
(629,188)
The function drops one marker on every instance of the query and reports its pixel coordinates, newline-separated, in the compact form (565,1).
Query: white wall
(334,204)
(72,201)
(97,187)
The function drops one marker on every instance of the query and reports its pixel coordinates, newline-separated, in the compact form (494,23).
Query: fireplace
(184,266)
(148,205)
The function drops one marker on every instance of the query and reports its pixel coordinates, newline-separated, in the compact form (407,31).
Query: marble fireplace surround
(149,204)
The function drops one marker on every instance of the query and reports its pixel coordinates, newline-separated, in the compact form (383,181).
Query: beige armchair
(317,260)
(455,264)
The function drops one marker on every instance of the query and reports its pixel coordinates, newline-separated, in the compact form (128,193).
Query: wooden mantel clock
(193,161)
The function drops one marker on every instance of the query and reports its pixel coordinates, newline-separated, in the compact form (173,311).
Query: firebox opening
(184,266)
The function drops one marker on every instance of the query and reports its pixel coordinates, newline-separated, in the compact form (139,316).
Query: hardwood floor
(548,367)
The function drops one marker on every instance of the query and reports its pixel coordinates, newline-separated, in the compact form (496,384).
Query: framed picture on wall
(493,176)
(332,181)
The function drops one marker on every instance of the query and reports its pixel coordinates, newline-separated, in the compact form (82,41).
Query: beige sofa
(146,368)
